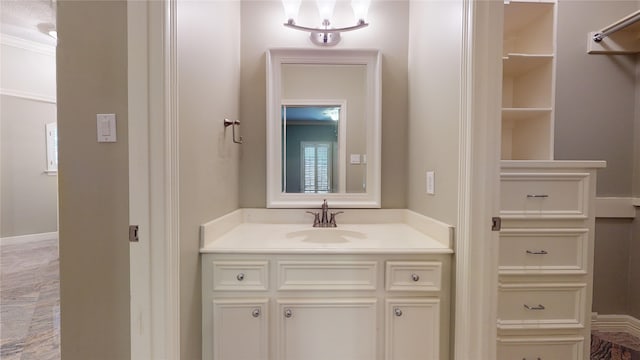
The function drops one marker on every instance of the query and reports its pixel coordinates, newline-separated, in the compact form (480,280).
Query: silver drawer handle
(538,307)
(541,252)
(536,358)
(240,277)
(415,277)
(288,313)
(397,311)
(255,313)
(537,196)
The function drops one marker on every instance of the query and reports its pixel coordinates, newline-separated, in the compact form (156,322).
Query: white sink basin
(326,235)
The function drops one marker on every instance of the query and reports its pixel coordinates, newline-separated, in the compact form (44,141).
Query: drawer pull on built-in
(288,313)
(255,313)
(536,358)
(415,277)
(540,252)
(240,277)
(538,307)
(537,196)
(397,311)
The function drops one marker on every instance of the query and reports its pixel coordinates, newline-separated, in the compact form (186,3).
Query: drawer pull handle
(240,277)
(288,313)
(536,358)
(397,311)
(538,307)
(255,313)
(415,277)
(541,252)
(537,196)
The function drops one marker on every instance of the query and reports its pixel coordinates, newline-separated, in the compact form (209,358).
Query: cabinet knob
(288,313)
(397,311)
(415,277)
(255,313)
(240,276)
(535,307)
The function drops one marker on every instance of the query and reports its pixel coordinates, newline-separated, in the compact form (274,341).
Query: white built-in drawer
(540,348)
(240,275)
(541,306)
(327,275)
(413,275)
(544,195)
(543,251)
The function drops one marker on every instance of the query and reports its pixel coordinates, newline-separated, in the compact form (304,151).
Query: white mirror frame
(372,59)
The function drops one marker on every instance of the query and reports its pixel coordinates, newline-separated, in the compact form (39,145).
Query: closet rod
(617,26)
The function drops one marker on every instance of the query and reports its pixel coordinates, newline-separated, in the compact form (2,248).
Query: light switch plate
(106,125)
(431,182)
(355,159)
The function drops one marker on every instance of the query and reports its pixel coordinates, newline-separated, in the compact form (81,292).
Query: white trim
(615,207)
(171,181)
(636,201)
(616,323)
(28,95)
(28,45)
(23,239)
(138,146)
(476,285)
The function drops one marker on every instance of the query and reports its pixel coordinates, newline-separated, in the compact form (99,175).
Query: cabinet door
(412,329)
(240,329)
(322,329)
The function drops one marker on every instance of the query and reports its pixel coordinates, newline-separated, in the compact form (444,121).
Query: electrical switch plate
(431,182)
(355,159)
(106,124)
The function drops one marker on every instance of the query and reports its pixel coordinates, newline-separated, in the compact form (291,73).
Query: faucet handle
(316,218)
(332,218)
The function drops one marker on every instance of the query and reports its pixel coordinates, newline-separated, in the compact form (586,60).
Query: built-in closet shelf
(524,114)
(528,27)
(621,37)
(517,64)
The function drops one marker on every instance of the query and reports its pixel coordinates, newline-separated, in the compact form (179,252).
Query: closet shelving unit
(528,78)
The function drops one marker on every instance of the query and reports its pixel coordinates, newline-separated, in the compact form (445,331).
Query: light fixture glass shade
(360,9)
(291,8)
(325,8)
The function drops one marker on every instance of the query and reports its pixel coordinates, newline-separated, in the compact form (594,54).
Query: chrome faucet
(324,218)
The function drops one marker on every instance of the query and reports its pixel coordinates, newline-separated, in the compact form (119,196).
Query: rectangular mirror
(323,128)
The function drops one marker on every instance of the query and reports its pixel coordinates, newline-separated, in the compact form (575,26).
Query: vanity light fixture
(326,35)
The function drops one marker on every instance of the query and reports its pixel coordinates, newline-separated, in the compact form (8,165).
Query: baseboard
(12,240)
(618,323)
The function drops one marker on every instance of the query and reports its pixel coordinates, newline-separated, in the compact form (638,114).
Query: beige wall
(29,196)
(262,29)
(93,181)
(434,100)
(596,102)
(208,91)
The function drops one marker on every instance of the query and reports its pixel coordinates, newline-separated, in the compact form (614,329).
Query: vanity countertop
(248,232)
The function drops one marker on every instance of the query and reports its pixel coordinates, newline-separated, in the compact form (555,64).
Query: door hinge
(496,223)
(133,233)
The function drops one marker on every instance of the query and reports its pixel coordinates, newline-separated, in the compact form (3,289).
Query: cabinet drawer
(543,251)
(240,275)
(327,275)
(413,275)
(569,348)
(544,195)
(541,306)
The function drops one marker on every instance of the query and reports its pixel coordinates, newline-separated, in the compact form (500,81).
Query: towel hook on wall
(233,124)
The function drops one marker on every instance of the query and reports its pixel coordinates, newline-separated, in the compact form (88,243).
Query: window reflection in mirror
(311,148)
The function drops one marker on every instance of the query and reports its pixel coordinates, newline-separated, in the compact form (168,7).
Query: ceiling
(28,19)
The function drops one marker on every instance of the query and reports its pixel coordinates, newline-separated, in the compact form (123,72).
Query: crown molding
(28,45)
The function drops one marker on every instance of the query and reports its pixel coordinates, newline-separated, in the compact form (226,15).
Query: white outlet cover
(431,182)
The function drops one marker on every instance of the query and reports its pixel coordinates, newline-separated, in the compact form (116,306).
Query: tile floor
(29,301)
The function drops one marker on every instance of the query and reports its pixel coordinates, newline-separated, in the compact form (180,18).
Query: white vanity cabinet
(546,259)
(332,306)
